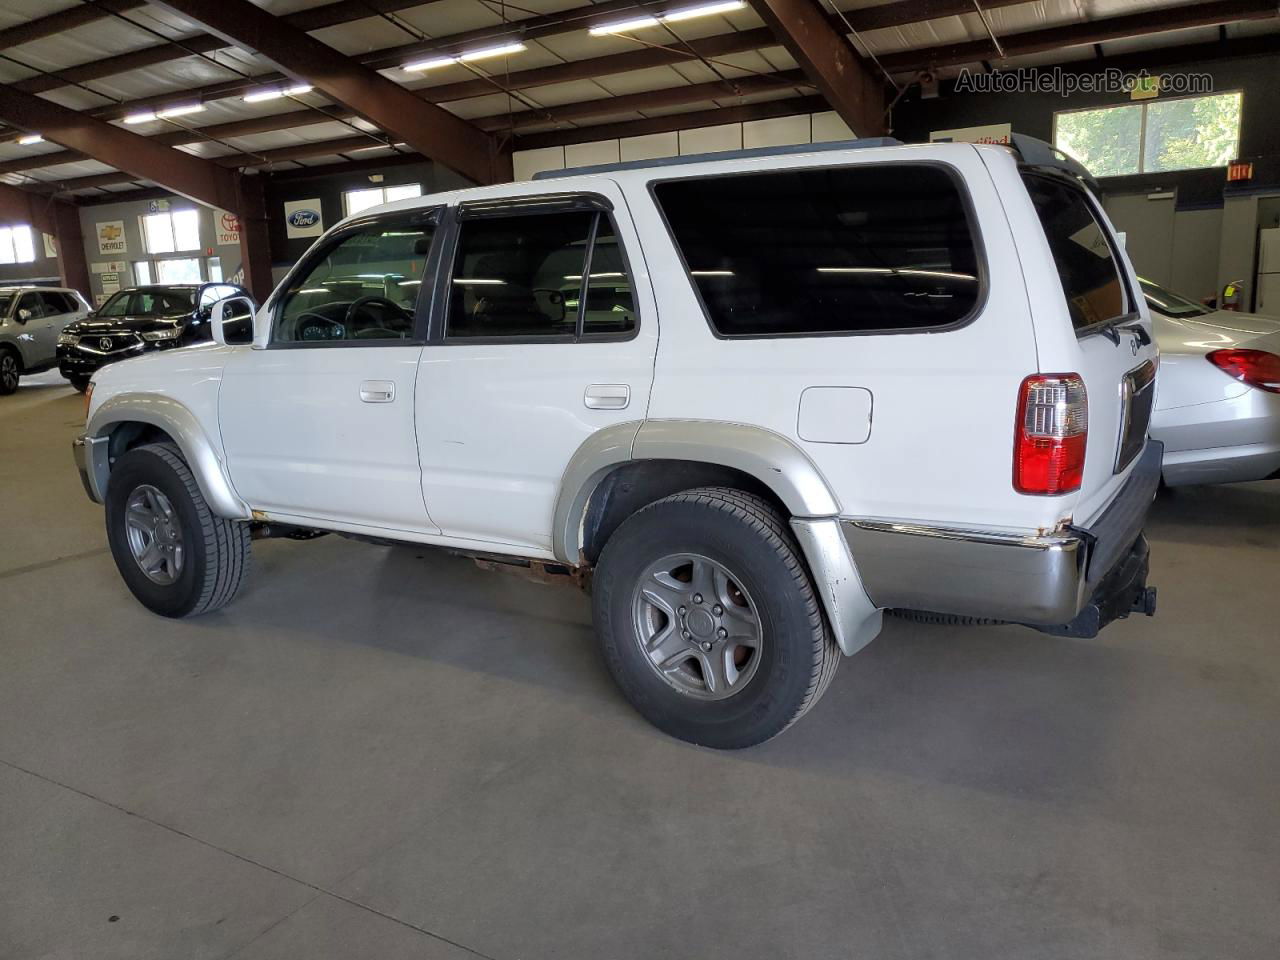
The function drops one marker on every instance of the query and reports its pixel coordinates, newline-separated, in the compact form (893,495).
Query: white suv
(753,399)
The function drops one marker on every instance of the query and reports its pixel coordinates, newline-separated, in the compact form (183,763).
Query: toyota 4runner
(753,400)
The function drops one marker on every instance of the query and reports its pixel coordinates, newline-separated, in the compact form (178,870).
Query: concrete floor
(388,753)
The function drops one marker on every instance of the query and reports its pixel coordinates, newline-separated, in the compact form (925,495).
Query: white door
(523,371)
(319,424)
(40,328)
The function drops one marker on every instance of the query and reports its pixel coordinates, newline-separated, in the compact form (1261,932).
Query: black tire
(748,537)
(81,384)
(947,619)
(10,370)
(216,551)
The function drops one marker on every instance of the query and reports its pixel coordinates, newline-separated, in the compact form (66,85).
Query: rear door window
(1086,262)
(55,303)
(837,250)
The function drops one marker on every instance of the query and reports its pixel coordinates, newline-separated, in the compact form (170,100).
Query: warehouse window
(1152,137)
(171,232)
(834,250)
(17,245)
(354,201)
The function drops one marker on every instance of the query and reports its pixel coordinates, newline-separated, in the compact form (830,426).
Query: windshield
(1169,303)
(151,302)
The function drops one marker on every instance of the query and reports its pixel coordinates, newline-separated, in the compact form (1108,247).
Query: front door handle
(377,391)
(607,396)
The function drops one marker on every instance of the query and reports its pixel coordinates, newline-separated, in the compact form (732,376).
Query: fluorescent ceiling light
(179,110)
(623,26)
(275,93)
(703,10)
(479,281)
(673,16)
(140,116)
(29,139)
(480,54)
(594,276)
(712,273)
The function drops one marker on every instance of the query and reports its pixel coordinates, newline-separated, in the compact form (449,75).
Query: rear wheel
(10,371)
(708,620)
(177,558)
(80,383)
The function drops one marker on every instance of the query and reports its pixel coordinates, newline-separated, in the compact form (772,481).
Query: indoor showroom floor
(390,753)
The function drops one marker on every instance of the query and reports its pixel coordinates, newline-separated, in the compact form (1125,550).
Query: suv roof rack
(1039,155)
(859,144)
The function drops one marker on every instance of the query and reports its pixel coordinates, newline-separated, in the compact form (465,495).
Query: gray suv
(30,320)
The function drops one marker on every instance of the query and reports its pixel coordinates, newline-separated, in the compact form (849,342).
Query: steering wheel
(399,313)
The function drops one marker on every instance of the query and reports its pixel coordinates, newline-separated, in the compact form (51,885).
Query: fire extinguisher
(1231,295)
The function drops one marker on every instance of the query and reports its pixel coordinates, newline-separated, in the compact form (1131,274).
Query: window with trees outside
(171,232)
(17,245)
(354,201)
(1152,137)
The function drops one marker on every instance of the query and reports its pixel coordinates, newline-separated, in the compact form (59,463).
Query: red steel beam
(427,128)
(835,68)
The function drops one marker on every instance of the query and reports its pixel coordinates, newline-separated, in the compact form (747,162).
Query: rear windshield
(828,251)
(1086,263)
(1169,303)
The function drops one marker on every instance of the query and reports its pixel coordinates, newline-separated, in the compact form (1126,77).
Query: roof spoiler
(1040,155)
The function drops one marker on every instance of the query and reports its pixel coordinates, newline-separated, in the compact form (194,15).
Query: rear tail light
(1049,439)
(1257,368)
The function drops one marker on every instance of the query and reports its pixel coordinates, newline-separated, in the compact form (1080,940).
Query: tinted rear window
(828,251)
(1086,264)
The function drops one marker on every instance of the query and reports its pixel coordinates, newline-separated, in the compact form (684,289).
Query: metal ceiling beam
(427,128)
(676,121)
(1081,34)
(54,23)
(835,68)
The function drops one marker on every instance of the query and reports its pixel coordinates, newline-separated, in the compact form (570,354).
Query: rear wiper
(1114,328)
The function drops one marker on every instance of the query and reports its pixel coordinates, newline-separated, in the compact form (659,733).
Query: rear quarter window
(828,251)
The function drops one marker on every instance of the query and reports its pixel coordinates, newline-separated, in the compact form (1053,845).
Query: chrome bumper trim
(90,454)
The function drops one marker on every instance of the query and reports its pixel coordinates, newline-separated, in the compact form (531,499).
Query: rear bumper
(1042,580)
(1225,441)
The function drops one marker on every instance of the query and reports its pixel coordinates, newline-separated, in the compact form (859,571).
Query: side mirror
(233,321)
(24,315)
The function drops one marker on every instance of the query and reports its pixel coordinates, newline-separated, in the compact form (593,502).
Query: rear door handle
(607,396)
(377,391)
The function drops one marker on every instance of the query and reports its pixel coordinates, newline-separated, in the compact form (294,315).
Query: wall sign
(989,133)
(228,225)
(50,246)
(109,266)
(111,237)
(302,218)
(157,206)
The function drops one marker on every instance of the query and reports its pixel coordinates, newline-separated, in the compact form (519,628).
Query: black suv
(134,321)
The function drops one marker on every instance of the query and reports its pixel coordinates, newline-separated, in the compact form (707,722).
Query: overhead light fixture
(483,53)
(29,139)
(140,116)
(703,10)
(673,16)
(275,93)
(623,26)
(179,110)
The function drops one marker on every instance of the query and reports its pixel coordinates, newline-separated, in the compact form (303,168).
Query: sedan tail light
(1257,368)
(1050,435)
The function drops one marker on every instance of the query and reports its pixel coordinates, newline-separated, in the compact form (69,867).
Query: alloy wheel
(8,371)
(154,534)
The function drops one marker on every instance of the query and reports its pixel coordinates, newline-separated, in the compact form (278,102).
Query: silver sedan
(1218,393)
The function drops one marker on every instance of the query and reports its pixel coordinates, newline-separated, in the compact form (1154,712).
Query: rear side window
(829,251)
(55,303)
(1086,263)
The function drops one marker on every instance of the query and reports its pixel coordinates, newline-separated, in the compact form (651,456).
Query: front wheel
(176,557)
(708,620)
(10,371)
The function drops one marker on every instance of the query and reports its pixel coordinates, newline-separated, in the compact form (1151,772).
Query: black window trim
(413,217)
(971,219)
(1103,327)
(525,205)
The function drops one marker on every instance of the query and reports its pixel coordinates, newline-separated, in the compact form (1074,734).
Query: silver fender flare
(769,457)
(181,424)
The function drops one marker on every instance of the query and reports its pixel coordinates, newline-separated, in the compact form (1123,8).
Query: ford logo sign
(304,218)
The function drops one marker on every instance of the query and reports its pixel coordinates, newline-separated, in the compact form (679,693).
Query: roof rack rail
(859,144)
(1040,155)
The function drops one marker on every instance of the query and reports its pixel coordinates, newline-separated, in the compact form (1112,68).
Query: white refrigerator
(1268,285)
